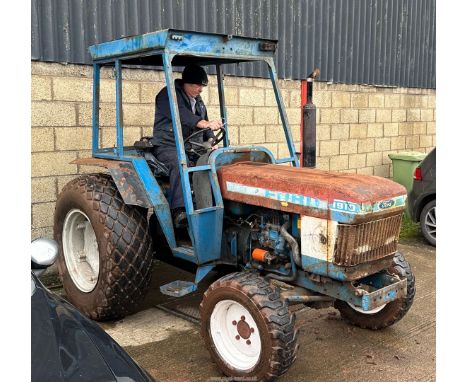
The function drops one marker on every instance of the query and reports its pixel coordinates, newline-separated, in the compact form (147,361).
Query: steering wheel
(200,148)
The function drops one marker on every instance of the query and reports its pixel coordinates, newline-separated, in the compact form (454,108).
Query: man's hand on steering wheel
(215,125)
(200,148)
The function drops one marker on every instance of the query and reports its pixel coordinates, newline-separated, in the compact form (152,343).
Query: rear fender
(137,186)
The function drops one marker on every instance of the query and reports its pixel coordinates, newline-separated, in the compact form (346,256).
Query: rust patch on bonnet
(318,184)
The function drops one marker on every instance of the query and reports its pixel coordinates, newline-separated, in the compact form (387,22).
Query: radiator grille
(357,244)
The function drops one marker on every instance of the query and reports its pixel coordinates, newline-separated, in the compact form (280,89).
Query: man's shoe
(179,217)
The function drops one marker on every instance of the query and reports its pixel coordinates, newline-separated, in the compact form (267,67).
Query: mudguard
(137,186)
(125,178)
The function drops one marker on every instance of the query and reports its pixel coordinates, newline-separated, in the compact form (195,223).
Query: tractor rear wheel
(247,327)
(104,248)
(388,314)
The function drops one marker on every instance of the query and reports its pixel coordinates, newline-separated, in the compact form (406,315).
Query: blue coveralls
(163,135)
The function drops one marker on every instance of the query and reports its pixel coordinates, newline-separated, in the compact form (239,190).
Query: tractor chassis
(370,293)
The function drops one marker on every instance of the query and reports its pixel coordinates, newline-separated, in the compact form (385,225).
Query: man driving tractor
(286,234)
(193,116)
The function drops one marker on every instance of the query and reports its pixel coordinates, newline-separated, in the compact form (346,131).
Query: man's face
(193,90)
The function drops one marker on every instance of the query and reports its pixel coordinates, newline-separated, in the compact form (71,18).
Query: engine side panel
(318,237)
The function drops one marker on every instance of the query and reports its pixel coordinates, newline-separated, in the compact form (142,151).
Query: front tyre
(248,328)
(388,314)
(104,248)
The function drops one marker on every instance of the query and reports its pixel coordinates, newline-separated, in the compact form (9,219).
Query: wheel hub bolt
(237,337)
(248,342)
(252,330)
(234,322)
(243,318)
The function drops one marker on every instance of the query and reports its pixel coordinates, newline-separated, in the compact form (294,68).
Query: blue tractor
(288,234)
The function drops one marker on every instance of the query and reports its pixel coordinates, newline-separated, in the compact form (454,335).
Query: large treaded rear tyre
(390,313)
(247,327)
(106,270)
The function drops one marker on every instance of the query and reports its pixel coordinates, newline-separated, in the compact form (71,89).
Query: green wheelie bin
(404,164)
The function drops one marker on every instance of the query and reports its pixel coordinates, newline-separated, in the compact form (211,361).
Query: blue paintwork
(185,253)
(96,87)
(183,42)
(346,292)
(199,168)
(222,105)
(207,231)
(366,300)
(345,211)
(323,268)
(273,235)
(233,246)
(294,226)
(291,272)
(129,45)
(227,155)
(216,188)
(202,272)
(216,45)
(118,107)
(282,111)
(111,153)
(157,198)
(298,199)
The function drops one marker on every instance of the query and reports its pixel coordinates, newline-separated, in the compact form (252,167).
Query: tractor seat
(145,148)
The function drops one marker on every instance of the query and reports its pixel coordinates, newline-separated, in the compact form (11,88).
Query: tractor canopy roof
(184,47)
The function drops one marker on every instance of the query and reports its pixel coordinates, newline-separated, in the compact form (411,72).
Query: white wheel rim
(80,250)
(235,335)
(373,311)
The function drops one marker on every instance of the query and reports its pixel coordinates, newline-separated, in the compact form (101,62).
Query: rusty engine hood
(346,198)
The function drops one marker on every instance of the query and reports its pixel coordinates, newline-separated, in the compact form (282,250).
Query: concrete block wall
(358,126)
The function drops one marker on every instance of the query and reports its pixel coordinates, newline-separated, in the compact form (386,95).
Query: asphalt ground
(170,348)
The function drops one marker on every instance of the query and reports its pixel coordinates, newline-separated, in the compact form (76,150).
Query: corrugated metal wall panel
(380,42)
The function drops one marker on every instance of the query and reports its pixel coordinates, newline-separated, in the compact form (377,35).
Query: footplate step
(178,288)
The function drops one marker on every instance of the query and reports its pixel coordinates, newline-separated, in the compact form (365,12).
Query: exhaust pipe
(309,128)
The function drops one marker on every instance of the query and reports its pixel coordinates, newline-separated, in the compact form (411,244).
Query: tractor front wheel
(248,328)
(104,248)
(388,314)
